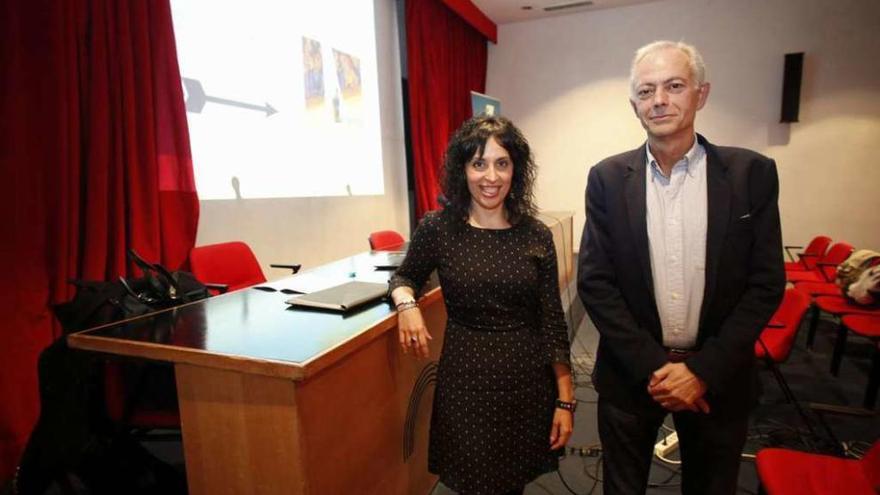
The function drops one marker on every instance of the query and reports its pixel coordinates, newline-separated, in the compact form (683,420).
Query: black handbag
(101,302)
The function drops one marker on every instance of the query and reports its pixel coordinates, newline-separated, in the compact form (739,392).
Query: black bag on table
(74,448)
(98,303)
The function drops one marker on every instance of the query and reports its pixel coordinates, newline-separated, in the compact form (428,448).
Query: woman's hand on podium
(412,332)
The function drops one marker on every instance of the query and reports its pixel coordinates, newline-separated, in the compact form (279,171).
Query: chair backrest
(871,464)
(837,254)
(385,239)
(230,263)
(815,250)
(780,339)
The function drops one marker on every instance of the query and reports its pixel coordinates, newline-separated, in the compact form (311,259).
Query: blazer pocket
(742,224)
(741,231)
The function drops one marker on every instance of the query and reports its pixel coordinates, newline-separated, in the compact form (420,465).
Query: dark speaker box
(791,87)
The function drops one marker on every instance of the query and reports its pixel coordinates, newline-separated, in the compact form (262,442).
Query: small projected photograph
(348,78)
(348,74)
(313,73)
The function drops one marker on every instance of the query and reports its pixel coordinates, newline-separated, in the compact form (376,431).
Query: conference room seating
(826,267)
(229,264)
(790,472)
(806,259)
(385,240)
(865,325)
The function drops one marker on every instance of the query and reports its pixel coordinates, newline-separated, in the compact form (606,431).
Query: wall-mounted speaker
(791,86)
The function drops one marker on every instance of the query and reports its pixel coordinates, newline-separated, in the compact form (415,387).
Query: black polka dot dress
(496,390)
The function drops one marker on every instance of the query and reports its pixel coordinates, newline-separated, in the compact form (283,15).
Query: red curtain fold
(446,60)
(96,159)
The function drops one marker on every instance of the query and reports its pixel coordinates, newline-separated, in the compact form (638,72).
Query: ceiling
(504,11)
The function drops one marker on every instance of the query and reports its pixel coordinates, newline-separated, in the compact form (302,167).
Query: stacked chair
(806,259)
(825,267)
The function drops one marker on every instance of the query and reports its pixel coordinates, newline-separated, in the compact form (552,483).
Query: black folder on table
(342,297)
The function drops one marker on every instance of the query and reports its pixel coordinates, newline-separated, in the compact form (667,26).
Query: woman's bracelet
(568,406)
(405,305)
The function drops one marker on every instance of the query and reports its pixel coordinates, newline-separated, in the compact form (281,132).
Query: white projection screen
(281,96)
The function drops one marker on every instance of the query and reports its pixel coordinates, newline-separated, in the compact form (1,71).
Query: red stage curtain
(95,156)
(446,60)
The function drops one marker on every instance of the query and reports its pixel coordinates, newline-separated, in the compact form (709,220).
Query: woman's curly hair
(469,140)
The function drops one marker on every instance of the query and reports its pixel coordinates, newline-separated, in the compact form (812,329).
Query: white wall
(313,231)
(563,80)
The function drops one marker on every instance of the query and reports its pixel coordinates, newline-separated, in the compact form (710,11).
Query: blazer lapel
(634,190)
(718,216)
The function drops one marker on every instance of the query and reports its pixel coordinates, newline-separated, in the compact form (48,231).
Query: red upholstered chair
(806,260)
(232,264)
(868,326)
(789,472)
(836,306)
(778,337)
(229,263)
(385,240)
(826,268)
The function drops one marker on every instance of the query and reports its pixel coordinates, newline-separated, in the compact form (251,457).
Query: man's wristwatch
(568,406)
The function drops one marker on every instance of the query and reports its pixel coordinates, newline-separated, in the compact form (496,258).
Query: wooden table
(276,400)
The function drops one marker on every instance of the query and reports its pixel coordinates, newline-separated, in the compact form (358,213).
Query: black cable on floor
(666,483)
(559,473)
(594,476)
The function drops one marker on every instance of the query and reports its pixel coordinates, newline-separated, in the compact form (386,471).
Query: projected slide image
(313,73)
(282,97)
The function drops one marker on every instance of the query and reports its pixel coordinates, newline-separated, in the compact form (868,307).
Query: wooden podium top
(252,330)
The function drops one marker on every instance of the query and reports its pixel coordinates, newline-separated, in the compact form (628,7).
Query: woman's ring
(414,339)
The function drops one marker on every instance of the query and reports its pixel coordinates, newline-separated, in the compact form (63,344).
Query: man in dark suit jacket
(680,270)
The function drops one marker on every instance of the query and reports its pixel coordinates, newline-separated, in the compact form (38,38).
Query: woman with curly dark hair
(504,400)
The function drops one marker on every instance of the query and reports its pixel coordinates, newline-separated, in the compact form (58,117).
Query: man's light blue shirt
(676,209)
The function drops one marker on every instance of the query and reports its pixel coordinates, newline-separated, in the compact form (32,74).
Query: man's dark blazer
(745,276)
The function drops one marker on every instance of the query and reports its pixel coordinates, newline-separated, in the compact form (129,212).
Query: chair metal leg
(839,347)
(873,379)
(789,395)
(814,321)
